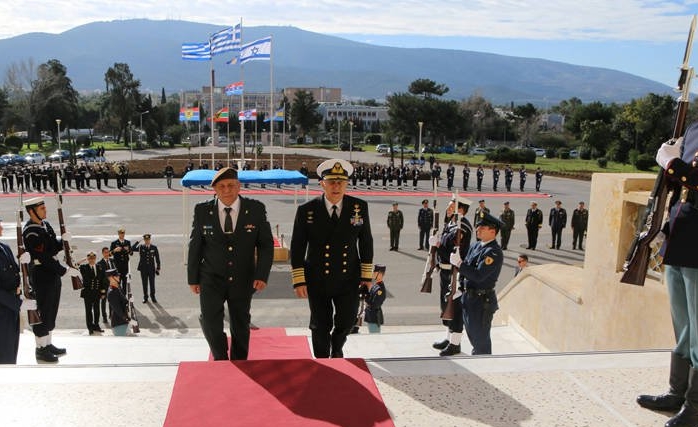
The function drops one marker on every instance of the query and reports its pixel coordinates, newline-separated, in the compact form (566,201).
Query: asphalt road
(93,218)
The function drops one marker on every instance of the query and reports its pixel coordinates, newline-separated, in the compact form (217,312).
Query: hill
(305,59)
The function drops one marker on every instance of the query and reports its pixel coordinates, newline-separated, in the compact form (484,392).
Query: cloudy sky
(644,37)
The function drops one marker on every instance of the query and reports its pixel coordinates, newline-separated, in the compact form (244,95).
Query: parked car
(59,156)
(540,152)
(35,158)
(478,150)
(574,154)
(382,148)
(87,154)
(14,159)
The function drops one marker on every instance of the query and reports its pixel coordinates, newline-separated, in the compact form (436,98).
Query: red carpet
(289,393)
(274,344)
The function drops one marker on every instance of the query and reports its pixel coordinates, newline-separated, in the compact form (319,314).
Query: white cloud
(639,20)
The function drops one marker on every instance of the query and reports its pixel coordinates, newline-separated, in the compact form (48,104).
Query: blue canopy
(271,176)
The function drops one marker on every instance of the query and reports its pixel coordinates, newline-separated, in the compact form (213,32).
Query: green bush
(602,162)
(14,143)
(550,153)
(507,155)
(563,153)
(585,153)
(373,139)
(645,162)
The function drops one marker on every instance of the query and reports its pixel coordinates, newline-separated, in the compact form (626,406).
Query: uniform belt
(478,292)
(444,266)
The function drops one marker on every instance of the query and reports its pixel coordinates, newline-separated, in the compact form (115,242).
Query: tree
(427,88)
(53,97)
(304,114)
(124,95)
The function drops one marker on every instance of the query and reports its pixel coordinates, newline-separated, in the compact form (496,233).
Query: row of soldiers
(45,177)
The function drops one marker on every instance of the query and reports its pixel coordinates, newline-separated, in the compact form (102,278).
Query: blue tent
(271,176)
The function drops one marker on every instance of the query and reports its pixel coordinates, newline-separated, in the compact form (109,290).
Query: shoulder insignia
(489,260)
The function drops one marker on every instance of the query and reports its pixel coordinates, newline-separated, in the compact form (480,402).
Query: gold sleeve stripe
(367,271)
(298,275)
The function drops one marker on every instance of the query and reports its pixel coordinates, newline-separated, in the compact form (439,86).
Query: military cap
(224,173)
(34,201)
(335,169)
(395,203)
(506,203)
(463,201)
(121,230)
(425,201)
(481,201)
(146,236)
(112,272)
(379,268)
(91,254)
(488,220)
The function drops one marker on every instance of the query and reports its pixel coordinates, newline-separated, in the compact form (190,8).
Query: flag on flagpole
(221,115)
(226,40)
(235,88)
(258,50)
(196,51)
(189,114)
(248,114)
(278,115)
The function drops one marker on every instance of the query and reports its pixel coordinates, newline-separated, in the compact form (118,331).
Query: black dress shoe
(154,300)
(450,350)
(97,329)
(145,300)
(686,417)
(440,345)
(43,354)
(55,350)
(661,402)
(337,354)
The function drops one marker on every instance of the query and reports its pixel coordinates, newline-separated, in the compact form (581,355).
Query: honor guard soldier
(479,272)
(466,176)
(495,177)
(508,177)
(539,178)
(450,176)
(331,257)
(121,250)
(45,273)
(480,176)
(148,265)
(522,177)
(375,296)
(508,219)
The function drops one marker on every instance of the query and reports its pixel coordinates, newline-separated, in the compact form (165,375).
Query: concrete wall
(567,308)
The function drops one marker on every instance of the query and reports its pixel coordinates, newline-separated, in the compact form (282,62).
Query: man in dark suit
(121,250)
(148,265)
(94,289)
(534,221)
(107,263)
(231,250)
(331,257)
(557,220)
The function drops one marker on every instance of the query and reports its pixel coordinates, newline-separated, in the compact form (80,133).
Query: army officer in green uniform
(331,256)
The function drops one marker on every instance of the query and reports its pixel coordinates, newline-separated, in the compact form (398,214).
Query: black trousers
(532,236)
(578,236)
(332,317)
(91,312)
(148,280)
(394,238)
(557,237)
(424,238)
(9,335)
(48,296)
(214,295)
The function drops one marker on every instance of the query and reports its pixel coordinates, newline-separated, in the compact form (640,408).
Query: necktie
(335,217)
(228,226)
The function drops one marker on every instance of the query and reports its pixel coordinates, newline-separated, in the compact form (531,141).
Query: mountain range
(152,49)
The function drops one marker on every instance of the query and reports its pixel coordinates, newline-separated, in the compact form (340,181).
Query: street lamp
(58,125)
(130,139)
(140,132)
(351,140)
(419,142)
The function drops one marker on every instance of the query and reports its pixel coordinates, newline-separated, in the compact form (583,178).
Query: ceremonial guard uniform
(557,220)
(148,265)
(10,303)
(395,223)
(375,296)
(495,177)
(425,220)
(539,178)
(450,176)
(479,273)
(95,284)
(508,177)
(508,218)
(415,177)
(44,276)
(466,177)
(534,221)
(121,250)
(118,304)
(331,255)
(522,177)
(580,219)
(480,176)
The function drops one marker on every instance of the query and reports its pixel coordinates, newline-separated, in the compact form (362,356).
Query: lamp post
(140,132)
(351,140)
(130,139)
(419,142)
(58,125)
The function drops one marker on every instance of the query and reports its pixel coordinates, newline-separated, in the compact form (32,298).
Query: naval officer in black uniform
(231,250)
(331,257)
(148,265)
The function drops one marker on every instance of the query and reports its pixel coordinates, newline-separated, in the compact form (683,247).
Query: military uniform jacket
(94,283)
(373,312)
(681,228)
(448,240)
(557,220)
(150,257)
(395,220)
(425,218)
(580,219)
(534,218)
(482,265)
(121,257)
(41,243)
(508,218)
(325,254)
(9,279)
(118,307)
(479,213)
(239,258)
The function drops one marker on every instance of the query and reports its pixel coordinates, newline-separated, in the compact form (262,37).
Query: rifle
(131,308)
(77,282)
(34,317)
(431,259)
(637,260)
(448,311)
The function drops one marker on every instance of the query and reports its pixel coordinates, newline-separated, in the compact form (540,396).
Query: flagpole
(283,138)
(272,110)
(242,102)
(227,134)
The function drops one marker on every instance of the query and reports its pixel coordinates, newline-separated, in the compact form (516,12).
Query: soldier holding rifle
(45,273)
(445,246)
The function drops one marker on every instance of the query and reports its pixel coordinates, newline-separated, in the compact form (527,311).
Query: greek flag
(196,51)
(256,51)
(226,40)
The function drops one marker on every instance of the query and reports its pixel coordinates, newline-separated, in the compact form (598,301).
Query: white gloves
(433,240)
(66,236)
(28,304)
(668,152)
(457,294)
(133,323)
(25,258)
(455,259)
(72,272)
